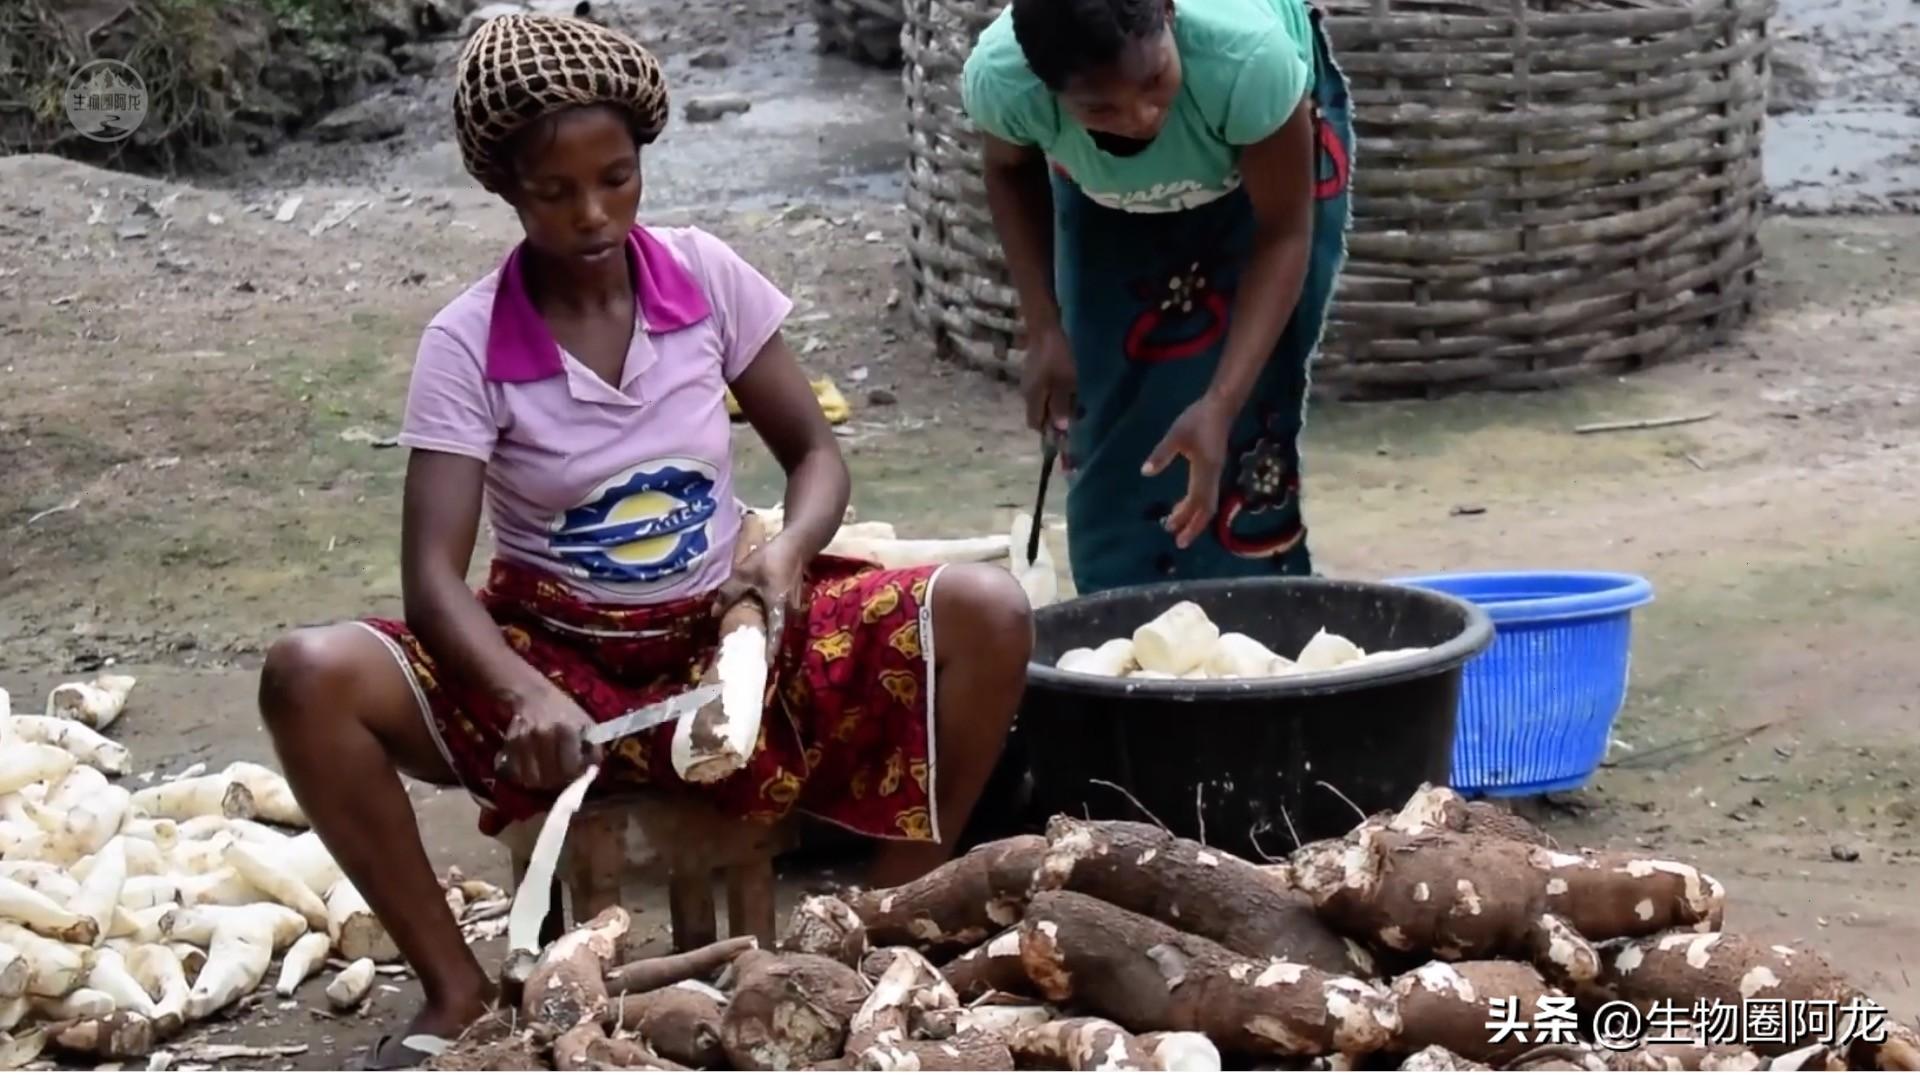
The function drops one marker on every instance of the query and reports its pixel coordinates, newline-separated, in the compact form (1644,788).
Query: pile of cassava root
(128,915)
(1108,945)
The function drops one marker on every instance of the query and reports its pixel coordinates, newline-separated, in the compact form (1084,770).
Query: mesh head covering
(518,68)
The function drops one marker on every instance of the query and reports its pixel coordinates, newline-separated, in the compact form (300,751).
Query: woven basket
(865,30)
(1538,194)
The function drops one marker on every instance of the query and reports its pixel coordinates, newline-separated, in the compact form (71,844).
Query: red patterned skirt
(848,734)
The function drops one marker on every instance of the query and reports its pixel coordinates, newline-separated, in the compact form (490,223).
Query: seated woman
(581,387)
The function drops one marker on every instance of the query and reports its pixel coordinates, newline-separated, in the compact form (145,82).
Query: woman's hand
(1200,436)
(1048,382)
(547,739)
(770,575)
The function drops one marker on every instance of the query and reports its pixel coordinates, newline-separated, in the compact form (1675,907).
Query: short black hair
(1066,38)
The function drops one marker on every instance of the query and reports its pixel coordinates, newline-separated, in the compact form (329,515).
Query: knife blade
(652,716)
(642,719)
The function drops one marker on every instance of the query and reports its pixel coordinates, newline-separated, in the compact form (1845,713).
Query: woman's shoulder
(1231,33)
(466,318)
(1245,62)
(999,89)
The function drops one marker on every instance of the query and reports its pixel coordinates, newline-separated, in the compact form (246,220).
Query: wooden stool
(652,839)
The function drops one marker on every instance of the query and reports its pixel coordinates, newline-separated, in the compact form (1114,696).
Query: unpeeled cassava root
(1449,1006)
(681,1022)
(1147,976)
(961,903)
(1462,896)
(1194,888)
(1090,1044)
(789,1011)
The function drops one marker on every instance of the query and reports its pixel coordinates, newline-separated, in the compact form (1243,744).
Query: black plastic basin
(1253,766)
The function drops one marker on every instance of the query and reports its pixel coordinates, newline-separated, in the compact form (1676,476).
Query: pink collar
(521,349)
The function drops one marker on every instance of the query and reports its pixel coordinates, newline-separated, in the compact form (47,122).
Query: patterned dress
(848,734)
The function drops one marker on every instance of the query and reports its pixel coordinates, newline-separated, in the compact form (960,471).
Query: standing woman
(577,396)
(1169,181)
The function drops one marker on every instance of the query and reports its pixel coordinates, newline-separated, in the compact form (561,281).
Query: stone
(363,121)
(703,110)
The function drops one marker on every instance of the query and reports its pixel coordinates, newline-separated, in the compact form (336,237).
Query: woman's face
(578,185)
(1131,96)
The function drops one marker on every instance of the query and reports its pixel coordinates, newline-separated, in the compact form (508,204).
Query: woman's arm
(775,398)
(439,519)
(1020,197)
(1278,173)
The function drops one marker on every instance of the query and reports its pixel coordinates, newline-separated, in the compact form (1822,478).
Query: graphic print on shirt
(641,530)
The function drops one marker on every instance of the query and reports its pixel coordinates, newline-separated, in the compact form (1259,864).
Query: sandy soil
(192,460)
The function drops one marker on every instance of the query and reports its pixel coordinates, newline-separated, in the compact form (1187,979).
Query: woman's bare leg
(982,638)
(345,724)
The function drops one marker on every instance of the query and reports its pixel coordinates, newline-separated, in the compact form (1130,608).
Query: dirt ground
(193,458)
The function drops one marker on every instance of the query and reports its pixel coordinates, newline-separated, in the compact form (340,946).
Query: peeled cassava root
(126,916)
(1183,643)
(96,703)
(714,741)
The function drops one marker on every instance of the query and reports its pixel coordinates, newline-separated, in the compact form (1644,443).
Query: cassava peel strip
(1147,976)
(535,892)
(1194,888)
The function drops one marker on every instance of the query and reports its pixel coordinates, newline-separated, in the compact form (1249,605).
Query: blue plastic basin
(1537,709)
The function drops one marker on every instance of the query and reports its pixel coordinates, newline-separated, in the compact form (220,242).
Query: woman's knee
(984,607)
(305,668)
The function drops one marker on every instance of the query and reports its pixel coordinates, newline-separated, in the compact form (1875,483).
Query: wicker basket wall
(865,30)
(1539,193)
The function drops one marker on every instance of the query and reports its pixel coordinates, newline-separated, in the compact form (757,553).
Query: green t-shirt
(1245,64)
